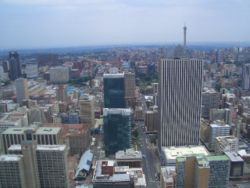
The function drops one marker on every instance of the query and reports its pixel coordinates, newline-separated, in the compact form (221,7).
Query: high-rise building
(246,76)
(12,171)
(117,129)
(87,109)
(52,165)
(151,120)
(210,100)
(201,171)
(22,92)
(129,83)
(61,93)
(14,66)
(114,90)
(215,130)
(180,101)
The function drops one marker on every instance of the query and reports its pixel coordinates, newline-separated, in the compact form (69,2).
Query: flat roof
(51,147)
(18,130)
(115,75)
(129,154)
(15,147)
(10,157)
(171,153)
(48,130)
(234,157)
(219,125)
(123,111)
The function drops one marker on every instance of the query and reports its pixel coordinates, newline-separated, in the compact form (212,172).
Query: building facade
(117,129)
(14,66)
(180,101)
(52,166)
(87,109)
(114,90)
(22,92)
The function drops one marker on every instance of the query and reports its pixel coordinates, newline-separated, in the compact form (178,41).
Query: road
(150,160)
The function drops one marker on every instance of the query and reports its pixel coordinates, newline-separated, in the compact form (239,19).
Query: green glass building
(114,90)
(117,129)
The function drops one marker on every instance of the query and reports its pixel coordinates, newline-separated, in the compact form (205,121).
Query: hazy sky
(55,23)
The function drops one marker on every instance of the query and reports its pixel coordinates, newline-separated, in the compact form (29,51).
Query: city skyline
(45,24)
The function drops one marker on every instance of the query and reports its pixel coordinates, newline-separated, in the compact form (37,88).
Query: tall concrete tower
(185,36)
(180,101)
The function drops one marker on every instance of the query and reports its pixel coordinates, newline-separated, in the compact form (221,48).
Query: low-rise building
(171,153)
(226,144)
(129,157)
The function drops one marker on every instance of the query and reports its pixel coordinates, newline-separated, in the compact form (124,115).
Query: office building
(180,101)
(48,136)
(216,130)
(114,90)
(201,171)
(74,118)
(210,100)
(104,176)
(129,157)
(15,135)
(14,66)
(221,114)
(171,153)
(117,129)
(61,93)
(12,171)
(87,109)
(167,177)
(129,84)
(226,144)
(28,149)
(236,164)
(52,165)
(151,120)
(246,76)
(59,75)
(22,92)
(47,164)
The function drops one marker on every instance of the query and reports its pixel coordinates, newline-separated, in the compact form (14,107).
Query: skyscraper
(180,101)
(14,66)
(117,129)
(21,90)
(52,165)
(246,76)
(87,109)
(114,90)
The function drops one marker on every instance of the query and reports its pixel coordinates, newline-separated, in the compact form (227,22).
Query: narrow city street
(151,162)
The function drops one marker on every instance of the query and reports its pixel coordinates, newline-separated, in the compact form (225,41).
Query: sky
(66,23)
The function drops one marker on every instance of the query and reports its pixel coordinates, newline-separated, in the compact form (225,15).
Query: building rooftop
(15,147)
(167,173)
(85,162)
(48,130)
(18,130)
(10,157)
(99,176)
(217,125)
(122,111)
(116,75)
(234,157)
(51,147)
(171,153)
(129,154)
